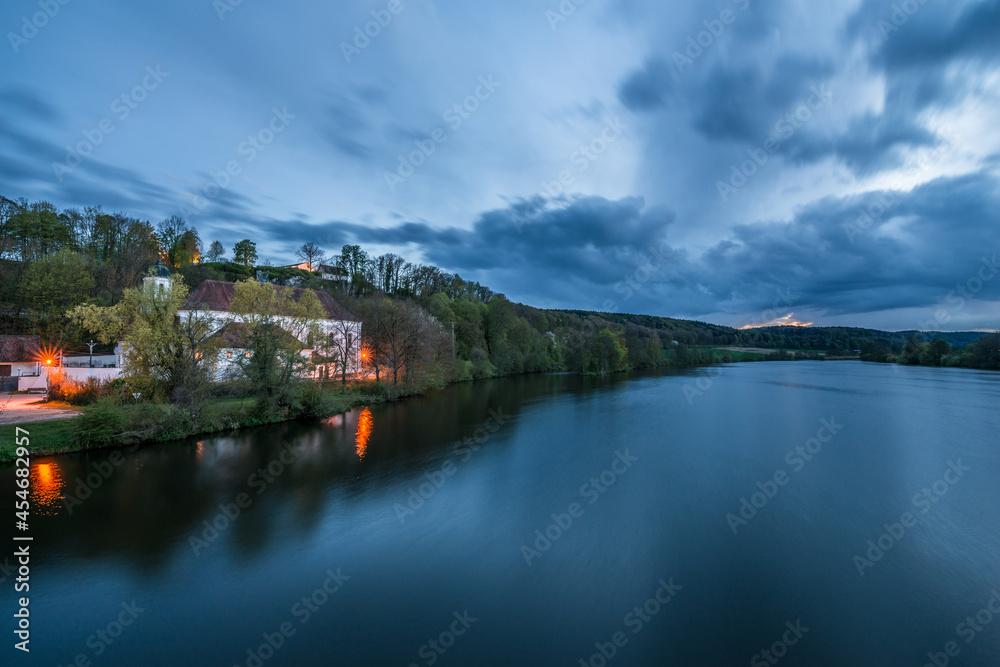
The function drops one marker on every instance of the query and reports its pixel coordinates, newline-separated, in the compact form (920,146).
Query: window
(5,370)
(229,354)
(350,340)
(246,354)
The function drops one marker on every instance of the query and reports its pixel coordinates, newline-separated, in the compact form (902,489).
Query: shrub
(371,388)
(481,366)
(61,388)
(107,422)
(101,423)
(317,404)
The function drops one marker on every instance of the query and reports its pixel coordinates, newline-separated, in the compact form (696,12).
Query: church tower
(160,276)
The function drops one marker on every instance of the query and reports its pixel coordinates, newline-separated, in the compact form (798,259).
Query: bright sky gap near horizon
(830,162)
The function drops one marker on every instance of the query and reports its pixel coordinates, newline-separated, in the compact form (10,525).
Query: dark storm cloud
(647,87)
(647,211)
(934,33)
(884,249)
(737,88)
(832,256)
(871,143)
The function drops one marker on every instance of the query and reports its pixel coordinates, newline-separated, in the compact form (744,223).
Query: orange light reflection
(46,488)
(364,432)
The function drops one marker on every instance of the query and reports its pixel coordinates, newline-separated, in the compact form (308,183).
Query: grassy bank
(113,426)
(108,423)
(52,436)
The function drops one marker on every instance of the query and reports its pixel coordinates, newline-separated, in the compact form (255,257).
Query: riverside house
(341,330)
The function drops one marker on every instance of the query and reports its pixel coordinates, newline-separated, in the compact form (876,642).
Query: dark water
(670,456)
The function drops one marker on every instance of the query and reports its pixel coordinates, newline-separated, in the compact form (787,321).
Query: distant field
(767,350)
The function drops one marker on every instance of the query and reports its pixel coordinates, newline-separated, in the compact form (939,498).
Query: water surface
(417,514)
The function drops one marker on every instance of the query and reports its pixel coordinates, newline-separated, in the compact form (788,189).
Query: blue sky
(732,161)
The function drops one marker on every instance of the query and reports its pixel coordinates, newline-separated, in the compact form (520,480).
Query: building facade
(339,330)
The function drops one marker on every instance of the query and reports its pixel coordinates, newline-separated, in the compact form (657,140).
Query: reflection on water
(46,489)
(457,544)
(364,432)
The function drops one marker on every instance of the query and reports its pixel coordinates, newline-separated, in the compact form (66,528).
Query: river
(828,513)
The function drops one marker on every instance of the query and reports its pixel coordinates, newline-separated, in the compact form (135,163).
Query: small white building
(334,273)
(18,356)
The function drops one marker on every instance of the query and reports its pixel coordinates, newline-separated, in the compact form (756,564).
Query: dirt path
(19,408)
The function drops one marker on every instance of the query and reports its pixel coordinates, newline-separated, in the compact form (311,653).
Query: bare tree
(373,313)
(311,254)
(215,253)
(394,339)
(341,347)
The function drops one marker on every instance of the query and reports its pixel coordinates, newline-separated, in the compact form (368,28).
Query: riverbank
(149,423)
(63,436)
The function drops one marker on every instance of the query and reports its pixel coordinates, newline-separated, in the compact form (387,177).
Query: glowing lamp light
(48,355)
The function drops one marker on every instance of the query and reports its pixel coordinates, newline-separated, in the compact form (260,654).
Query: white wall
(22,367)
(326,327)
(25,383)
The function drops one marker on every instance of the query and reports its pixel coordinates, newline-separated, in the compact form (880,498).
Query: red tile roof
(218,295)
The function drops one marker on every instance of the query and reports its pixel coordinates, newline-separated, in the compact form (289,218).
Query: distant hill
(692,332)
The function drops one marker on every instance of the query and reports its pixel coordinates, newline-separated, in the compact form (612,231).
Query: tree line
(983,353)
(421,324)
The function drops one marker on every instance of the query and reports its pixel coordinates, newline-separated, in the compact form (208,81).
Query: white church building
(214,297)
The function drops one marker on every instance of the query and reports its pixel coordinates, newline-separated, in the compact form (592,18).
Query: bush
(317,404)
(158,421)
(61,388)
(371,388)
(101,423)
(481,366)
(107,422)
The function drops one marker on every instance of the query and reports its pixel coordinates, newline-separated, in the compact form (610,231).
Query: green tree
(355,262)
(933,352)
(986,352)
(52,286)
(245,252)
(654,347)
(39,231)
(610,352)
(911,350)
(165,356)
(279,323)
(188,249)
(179,243)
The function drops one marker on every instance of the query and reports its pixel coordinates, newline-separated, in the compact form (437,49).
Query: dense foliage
(983,353)
(422,326)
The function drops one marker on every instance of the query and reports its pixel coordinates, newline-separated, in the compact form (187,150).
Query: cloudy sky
(733,161)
